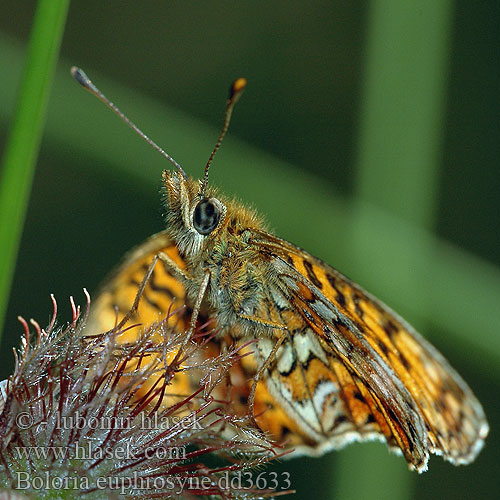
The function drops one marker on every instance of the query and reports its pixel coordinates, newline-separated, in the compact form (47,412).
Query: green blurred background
(368,134)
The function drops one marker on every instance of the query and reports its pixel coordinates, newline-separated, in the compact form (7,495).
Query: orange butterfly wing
(117,296)
(390,380)
(162,293)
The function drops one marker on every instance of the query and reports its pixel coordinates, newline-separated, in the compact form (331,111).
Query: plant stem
(25,135)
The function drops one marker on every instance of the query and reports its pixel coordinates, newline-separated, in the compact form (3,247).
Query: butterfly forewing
(426,405)
(162,293)
(162,290)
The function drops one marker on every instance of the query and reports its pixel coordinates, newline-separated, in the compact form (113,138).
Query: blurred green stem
(25,135)
(398,166)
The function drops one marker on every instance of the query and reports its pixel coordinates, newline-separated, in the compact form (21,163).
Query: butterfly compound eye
(206,215)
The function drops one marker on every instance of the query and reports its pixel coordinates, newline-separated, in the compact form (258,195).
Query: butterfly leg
(269,324)
(194,315)
(224,344)
(258,375)
(178,273)
(138,295)
(172,267)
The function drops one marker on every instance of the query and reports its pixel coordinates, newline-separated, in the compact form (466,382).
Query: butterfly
(331,364)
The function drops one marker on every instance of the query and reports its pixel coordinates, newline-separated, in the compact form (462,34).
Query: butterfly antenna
(80,76)
(235,92)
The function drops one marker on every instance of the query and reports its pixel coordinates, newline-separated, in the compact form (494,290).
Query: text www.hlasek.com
(127,451)
(237,481)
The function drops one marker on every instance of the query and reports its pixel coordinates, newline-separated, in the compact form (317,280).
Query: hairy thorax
(236,290)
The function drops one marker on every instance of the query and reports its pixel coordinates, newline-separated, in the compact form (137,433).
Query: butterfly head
(193,217)
(199,220)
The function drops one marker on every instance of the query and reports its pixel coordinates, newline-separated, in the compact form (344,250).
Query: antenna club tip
(238,86)
(80,76)
(76,72)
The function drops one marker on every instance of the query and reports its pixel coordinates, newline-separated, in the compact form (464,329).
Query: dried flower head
(81,416)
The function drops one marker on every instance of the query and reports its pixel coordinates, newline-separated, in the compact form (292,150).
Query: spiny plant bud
(75,419)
